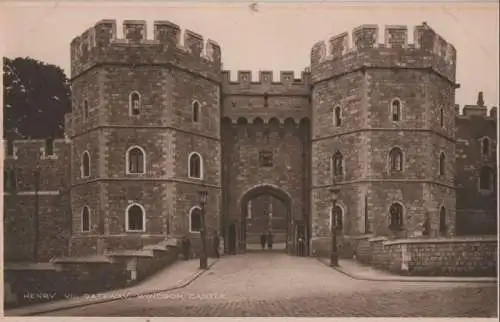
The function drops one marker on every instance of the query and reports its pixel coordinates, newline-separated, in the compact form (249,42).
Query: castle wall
(476,208)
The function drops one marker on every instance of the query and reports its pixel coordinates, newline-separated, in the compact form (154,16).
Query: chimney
(480,100)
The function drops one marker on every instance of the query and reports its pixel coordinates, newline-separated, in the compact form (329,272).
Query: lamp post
(203,257)
(334,259)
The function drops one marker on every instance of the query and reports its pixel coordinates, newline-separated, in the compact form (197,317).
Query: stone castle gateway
(153,121)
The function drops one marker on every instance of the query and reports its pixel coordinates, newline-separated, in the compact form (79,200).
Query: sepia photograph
(269,158)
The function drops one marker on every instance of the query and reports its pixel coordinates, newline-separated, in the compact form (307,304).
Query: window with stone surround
(338,216)
(195,166)
(85,164)
(396,110)
(85,219)
(337,116)
(195,219)
(49,147)
(486,179)
(85,110)
(396,217)
(134,103)
(136,160)
(485,146)
(442,221)
(196,111)
(442,164)
(265,159)
(9,179)
(337,164)
(441,117)
(396,160)
(10,148)
(135,218)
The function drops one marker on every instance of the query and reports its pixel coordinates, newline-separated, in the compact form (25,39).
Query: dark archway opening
(265,209)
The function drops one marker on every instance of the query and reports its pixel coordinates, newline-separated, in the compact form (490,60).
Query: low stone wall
(321,246)
(31,283)
(456,256)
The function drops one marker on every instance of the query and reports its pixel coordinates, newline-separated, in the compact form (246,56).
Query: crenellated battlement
(475,110)
(362,48)
(288,83)
(36,149)
(170,44)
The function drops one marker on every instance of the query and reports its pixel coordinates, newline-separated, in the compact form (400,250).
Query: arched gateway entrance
(265,208)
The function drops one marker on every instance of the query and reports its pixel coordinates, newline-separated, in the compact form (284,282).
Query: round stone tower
(383,124)
(145,135)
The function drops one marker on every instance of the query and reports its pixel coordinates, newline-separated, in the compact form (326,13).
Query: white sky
(277,37)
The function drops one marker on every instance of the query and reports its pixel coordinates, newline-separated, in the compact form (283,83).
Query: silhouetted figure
(186,248)
(301,245)
(270,240)
(216,244)
(480,99)
(263,240)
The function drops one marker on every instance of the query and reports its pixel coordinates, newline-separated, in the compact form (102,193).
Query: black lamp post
(334,258)
(203,231)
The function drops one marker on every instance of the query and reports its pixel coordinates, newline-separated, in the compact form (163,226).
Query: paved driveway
(274,284)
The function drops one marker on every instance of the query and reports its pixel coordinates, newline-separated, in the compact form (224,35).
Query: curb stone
(418,279)
(108,300)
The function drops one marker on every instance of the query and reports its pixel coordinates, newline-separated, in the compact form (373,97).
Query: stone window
(266,100)
(442,221)
(265,159)
(134,103)
(442,164)
(195,220)
(441,117)
(396,110)
(85,109)
(485,146)
(337,164)
(195,167)
(136,160)
(85,165)
(196,111)
(9,179)
(337,116)
(486,179)
(85,219)
(135,218)
(396,216)
(49,147)
(396,159)
(339,217)
(10,148)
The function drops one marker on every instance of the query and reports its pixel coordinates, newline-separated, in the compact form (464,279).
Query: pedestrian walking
(263,240)
(270,240)
(186,248)
(216,244)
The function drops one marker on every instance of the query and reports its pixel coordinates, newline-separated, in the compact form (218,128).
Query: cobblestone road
(278,285)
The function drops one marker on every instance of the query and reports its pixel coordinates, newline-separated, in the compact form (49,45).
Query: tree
(36,97)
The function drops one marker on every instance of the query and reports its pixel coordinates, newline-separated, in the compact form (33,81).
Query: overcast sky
(277,36)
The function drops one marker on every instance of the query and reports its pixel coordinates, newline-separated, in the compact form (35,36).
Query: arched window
(195,169)
(135,103)
(196,111)
(337,164)
(396,159)
(195,220)
(85,165)
(135,218)
(442,221)
(337,117)
(486,179)
(442,163)
(396,216)
(396,110)
(85,109)
(85,219)
(339,217)
(441,117)
(136,159)
(485,146)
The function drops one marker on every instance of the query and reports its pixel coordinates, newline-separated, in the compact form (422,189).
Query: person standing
(270,240)
(216,244)
(263,240)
